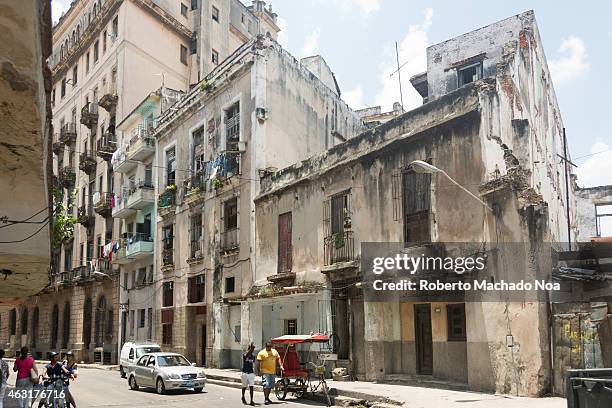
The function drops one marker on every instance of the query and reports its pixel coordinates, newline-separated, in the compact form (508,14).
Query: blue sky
(357,39)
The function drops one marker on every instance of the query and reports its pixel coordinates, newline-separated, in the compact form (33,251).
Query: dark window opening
(196,236)
(87,311)
(171,166)
(291,327)
(13,322)
(215,14)
(470,73)
(230,284)
(141,318)
(215,57)
(284,242)
(168,294)
(54,326)
(232,127)
(167,319)
(230,214)
(416,204)
(75,75)
(184,10)
(455,315)
(194,4)
(66,326)
(603,220)
(96,51)
(196,289)
(184,54)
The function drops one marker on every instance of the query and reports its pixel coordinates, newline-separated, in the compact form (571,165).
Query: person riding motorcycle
(54,371)
(72,370)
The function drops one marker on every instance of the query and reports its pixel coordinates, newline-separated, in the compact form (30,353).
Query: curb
(335,394)
(81,365)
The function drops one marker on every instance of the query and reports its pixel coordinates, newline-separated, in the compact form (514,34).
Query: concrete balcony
(89,115)
(141,195)
(139,245)
(108,101)
(68,134)
(85,216)
(106,145)
(141,147)
(121,209)
(120,257)
(120,162)
(67,177)
(103,203)
(87,163)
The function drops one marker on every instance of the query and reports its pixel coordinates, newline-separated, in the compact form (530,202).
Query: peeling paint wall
(587,199)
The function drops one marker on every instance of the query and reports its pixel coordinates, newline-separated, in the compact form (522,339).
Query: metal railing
(168,256)
(67,176)
(229,239)
(107,144)
(196,249)
(140,184)
(339,247)
(166,199)
(68,133)
(103,202)
(135,237)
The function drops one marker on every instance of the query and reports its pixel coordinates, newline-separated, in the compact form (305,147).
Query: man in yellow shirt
(267,361)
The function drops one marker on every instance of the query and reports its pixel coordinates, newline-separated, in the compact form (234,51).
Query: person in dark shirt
(248,375)
(54,368)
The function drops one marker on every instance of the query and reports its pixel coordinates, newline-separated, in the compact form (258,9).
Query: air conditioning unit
(261,114)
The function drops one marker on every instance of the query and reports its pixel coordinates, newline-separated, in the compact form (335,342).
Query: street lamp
(420,166)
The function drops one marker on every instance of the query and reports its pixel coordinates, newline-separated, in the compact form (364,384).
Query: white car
(131,352)
(166,371)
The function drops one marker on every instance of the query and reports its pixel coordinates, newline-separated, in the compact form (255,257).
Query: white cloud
(364,6)
(311,44)
(354,97)
(597,169)
(283,34)
(58,7)
(413,57)
(572,61)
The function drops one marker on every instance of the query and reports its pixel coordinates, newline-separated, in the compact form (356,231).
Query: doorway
(203,345)
(424,345)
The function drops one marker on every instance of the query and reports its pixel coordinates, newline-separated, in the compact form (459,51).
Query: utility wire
(25,239)
(12,222)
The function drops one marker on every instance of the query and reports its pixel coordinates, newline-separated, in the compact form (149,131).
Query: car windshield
(172,361)
(140,351)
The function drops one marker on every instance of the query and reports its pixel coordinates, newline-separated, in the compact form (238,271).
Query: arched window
(13,322)
(100,321)
(74,39)
(95,8)
(87,323)
(34,332)
(66,326)
(61,52)
(54,326)
(24,321)
(78,32)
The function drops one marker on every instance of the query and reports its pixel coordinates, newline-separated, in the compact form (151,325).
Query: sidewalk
(408,396)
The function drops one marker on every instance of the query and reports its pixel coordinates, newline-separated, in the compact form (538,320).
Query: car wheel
(161,388)
(198,389)
(133,385)
(121,372)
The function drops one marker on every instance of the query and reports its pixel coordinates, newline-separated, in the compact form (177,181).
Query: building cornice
(108,11)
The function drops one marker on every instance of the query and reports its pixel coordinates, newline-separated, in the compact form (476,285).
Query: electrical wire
(26,238)
(12,222)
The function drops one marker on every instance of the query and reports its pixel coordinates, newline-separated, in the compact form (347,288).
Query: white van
(131,352)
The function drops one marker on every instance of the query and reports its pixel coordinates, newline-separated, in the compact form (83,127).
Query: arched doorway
(87,323)
(66,326)
(34,331)
(24,321)
(54,326)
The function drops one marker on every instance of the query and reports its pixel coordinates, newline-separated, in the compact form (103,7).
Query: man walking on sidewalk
(267,361)
(248,375)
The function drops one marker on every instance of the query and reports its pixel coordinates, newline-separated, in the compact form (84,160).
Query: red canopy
(301,338)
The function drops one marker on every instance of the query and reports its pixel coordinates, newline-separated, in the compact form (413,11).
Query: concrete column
(382,339)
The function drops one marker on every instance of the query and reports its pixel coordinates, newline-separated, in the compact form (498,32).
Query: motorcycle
(54,392)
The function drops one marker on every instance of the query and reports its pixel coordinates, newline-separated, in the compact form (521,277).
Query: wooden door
(424,346)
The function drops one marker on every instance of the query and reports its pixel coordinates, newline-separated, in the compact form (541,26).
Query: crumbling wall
(586,200)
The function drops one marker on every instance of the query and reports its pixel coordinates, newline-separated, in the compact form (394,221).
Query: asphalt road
(101,388)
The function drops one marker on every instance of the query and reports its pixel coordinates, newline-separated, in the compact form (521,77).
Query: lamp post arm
(467,191)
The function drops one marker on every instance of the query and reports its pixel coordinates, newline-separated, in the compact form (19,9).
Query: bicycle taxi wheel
(281,388)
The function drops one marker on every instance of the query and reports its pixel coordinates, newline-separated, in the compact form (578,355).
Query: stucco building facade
(258,111)
(490,115)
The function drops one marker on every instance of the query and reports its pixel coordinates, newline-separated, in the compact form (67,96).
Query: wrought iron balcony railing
(89,115)
(68,133)
(106,145)
(67,177)
(229,240)
(87,162)
(339,247)
(85,215)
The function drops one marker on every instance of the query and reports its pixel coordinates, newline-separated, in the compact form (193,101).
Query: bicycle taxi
(298,377)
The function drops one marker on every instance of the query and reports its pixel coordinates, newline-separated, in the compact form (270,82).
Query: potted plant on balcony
(338,240)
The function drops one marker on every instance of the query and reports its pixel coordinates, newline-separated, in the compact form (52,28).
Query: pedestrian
(26,370)
(267,361)
(247,375)
(4,375)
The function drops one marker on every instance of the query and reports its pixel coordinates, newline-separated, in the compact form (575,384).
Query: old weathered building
(594,212)
(108,55)
(25,151)
(258,111)
(492,123)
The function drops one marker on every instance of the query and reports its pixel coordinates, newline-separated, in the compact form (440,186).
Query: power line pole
(566,163)
(399,76)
